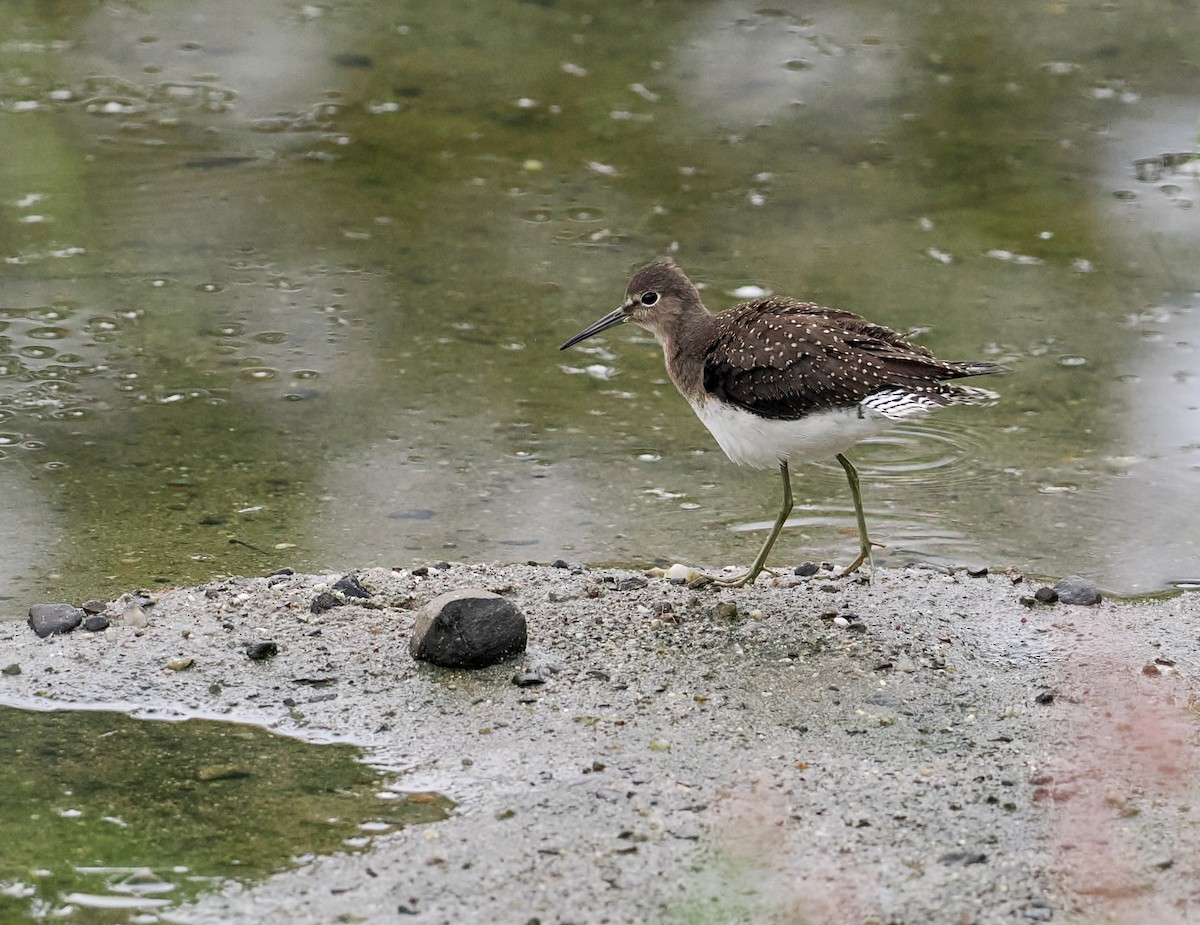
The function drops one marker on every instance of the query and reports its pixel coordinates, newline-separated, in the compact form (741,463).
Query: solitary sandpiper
(777,380)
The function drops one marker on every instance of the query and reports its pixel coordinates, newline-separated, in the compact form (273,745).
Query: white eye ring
(649,298)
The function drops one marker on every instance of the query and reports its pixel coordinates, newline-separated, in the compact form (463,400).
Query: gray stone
(468,628)
(1076,590)
(95,623)
(49,619)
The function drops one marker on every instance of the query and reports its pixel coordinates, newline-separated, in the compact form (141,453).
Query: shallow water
(108,818)
(284,284)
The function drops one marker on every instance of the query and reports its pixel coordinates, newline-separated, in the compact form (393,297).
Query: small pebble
(977,571)
(964,858)
(1046,595)
(531,678)
(134,615)
(679,572)
(259,651)
(93,607)
(807,569)
(1076,590)
(725,610)
(95,623)
(324,601)
(181,664)
(11,670)
(349,586)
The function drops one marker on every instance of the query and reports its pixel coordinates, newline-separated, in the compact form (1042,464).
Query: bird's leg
(864,541)
(760,561)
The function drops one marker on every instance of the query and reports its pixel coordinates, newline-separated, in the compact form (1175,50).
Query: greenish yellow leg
(761,560)
(864,541)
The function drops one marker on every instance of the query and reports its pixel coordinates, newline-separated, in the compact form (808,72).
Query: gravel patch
(929,747)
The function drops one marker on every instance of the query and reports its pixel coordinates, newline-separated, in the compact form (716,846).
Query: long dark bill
(612,319)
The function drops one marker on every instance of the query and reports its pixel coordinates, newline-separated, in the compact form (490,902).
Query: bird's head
(657,294)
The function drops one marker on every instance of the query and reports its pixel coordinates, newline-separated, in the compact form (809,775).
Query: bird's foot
(864,555)
(747,578)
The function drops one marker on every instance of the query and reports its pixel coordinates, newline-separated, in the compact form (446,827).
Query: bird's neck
(683,342)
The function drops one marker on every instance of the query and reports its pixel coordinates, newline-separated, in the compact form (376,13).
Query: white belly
(763,443)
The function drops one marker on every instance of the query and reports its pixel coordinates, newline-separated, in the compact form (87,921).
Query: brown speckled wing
(784,359)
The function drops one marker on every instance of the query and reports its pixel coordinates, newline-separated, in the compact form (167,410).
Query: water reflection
(278,275)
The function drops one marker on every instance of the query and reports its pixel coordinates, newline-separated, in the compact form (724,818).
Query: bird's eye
(649,298)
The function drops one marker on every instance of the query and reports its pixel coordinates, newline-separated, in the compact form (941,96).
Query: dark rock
(349,586)
(560,563)
(93,607)
(963,857)
(468,628)
(1045,595)
(282,572)
(1044,698)
(977,571)
(95,623)
(324,601)
(442,566)
(807,569)
(631,584)
(421,571)
(529,678)
(259,651)
(49,619)
(1076,590)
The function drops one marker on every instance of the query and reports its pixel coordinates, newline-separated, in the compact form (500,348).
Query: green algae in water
(106,817)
